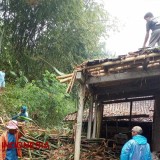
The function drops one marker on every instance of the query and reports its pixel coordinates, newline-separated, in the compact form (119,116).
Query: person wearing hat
(8,149)
(23,113)
(137,148)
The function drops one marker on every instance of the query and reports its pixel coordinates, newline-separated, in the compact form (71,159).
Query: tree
(61,33)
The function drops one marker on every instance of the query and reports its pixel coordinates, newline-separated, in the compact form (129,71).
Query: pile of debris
(95,149)
(61,145)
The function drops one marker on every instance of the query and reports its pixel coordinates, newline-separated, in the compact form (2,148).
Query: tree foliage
(46,100)
(61,33)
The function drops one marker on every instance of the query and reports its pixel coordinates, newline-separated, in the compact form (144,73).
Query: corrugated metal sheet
(121,109)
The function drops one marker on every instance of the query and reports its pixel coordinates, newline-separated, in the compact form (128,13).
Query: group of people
(135,149)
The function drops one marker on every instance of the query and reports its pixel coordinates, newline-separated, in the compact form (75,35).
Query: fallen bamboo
(65,80)
(71,82)
(65,76)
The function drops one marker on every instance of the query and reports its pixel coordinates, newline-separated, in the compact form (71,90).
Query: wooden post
(99,120)
(90,117)
(79,122)
(130,116)
(156,125)
(95,121)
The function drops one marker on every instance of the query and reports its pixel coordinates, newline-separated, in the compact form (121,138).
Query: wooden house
(126,79)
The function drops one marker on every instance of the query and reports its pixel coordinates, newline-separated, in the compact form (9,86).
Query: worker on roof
(9,140)
(137,148)
(23,113)
(153,23)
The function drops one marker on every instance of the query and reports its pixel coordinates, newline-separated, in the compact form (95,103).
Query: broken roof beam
(124,76)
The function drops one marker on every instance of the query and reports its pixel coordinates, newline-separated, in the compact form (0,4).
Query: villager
(23,113)
(153,23)
(137,148)
(8,141)
(2,79)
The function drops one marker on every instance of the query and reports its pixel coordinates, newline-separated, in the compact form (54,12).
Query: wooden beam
(130,116)
(125,117)
(156,125)
(79,122)
(95,121)
(80,78)
(131,87)
(90,118)
(99,120)
(106,97)
(129,100)
(124,76)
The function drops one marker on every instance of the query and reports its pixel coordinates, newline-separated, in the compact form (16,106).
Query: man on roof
(152,24)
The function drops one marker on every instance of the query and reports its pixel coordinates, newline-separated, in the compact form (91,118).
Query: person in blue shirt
(2,79)
(9,140)
(23,113)
(137,148)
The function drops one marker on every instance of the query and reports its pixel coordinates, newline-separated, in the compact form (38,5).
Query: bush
(46,99)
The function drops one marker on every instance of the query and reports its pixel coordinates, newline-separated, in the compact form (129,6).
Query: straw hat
(12,124)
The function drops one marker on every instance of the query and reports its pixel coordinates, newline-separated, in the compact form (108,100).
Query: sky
(132,24)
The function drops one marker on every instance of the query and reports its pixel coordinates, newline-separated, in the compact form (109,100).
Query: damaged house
(122,92)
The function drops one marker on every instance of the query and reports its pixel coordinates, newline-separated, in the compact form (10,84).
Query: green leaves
(24,118)
(62,33)
(46,100)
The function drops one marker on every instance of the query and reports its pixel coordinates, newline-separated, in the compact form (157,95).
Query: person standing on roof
(23,113)
(137,148)
(153,23)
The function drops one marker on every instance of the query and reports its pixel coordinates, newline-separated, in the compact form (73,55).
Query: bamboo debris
(65,79)
(71,82)
(64,76)
(126,60)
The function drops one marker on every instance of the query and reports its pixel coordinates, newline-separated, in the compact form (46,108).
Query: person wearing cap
(137,148)
(23,113)
(11,136)
(152,24)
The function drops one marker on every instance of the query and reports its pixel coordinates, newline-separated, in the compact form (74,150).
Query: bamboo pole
(71,82)
(65,79)
(65,76)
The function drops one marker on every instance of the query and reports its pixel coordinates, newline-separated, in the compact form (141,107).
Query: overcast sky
(130,13)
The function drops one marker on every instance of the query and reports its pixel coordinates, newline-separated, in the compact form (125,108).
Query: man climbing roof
(153,24)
